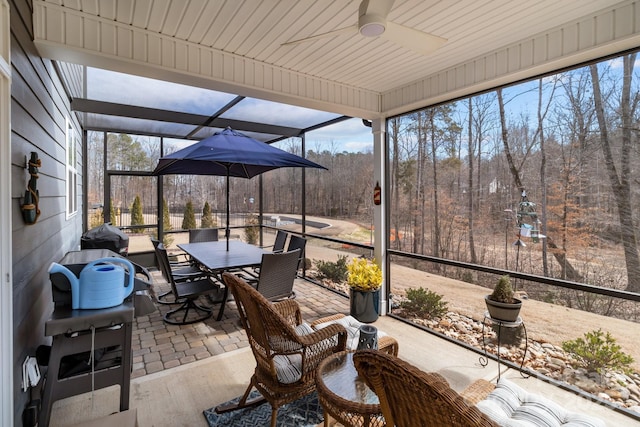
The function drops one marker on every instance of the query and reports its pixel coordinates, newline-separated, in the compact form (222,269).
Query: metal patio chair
(181,270)
(297,242)
(279,242)
(187,292)
(203,235)
(277,274)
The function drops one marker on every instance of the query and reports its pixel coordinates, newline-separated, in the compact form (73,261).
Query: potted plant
(501,304)
(364,279)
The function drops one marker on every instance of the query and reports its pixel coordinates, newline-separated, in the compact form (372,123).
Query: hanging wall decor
(30,208)
(377,194)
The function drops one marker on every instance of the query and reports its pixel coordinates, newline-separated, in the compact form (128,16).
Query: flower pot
(364,305)
(506,312)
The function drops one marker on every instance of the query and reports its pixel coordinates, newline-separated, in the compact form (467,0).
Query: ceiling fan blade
(350,29)
(418,41)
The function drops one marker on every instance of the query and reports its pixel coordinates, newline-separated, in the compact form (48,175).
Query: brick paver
(158,345)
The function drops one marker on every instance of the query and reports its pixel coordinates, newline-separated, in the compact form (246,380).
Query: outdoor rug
(304,412)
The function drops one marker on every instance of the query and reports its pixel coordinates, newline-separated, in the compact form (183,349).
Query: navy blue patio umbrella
(232,154)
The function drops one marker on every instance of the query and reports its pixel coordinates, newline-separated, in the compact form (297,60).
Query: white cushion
(289,367)
(304,329)
(511,406)
(352,325)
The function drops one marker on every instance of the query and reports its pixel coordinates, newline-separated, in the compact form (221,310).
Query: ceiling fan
(372,22)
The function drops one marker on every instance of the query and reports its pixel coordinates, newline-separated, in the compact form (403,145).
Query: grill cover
(105,236)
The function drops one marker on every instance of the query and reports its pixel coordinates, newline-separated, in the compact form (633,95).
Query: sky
(109,86)
(349,136)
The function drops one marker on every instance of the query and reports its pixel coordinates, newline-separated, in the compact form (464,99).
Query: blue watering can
(101,283)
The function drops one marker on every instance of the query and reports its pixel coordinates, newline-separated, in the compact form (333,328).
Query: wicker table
(343,395)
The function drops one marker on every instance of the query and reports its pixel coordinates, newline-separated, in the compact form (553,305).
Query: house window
(72,173)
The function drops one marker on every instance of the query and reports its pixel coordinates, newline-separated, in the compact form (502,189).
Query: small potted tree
(501,304)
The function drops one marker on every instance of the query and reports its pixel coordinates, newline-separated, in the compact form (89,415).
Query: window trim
(71,162)
(6,279)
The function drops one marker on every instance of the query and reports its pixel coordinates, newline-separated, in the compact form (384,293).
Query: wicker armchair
(287,351)
(410,397)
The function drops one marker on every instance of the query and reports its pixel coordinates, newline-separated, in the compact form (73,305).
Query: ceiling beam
(217,114)
(130,111)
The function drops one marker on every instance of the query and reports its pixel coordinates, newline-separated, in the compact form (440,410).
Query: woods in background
(457,172)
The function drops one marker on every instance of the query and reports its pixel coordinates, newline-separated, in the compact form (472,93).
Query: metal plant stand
(488,320)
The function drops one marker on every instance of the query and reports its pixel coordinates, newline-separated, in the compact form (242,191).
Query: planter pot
(364,305)
(503,311)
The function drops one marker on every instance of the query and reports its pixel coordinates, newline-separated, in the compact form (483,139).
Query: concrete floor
(179,371)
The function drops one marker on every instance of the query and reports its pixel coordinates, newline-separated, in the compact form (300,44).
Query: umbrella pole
(227,231)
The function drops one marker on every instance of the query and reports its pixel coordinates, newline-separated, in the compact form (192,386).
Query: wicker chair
(287,351)
(410,397)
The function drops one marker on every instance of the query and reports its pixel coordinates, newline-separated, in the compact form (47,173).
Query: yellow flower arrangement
(364,275)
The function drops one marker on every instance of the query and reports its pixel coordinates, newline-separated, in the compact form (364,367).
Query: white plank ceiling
(255,30)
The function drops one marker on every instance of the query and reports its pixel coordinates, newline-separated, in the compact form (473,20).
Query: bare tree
(513,168)
(470,185)
(620,181)
(394,136)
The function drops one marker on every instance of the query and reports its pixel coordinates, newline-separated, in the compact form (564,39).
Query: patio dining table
(216,259)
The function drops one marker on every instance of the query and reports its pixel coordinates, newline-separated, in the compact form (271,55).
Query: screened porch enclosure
(477,188)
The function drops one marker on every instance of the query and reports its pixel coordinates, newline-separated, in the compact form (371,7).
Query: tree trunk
(567,269)
(436,221)
(418,228)
(620,182)
(472,246)
(395,186)
(543,178)
(515,173)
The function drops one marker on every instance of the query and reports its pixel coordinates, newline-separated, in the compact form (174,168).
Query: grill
(106,236)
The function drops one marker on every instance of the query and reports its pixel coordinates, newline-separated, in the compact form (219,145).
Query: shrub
(136,215)
(467,276)
(189,217)
(598,352)
(112,214)
(96,219)
(251,231)
(423,303)
(167,239)
(207,218)
(334,271)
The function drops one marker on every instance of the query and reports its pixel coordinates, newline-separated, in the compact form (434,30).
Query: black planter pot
(364,305)
(506,312)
